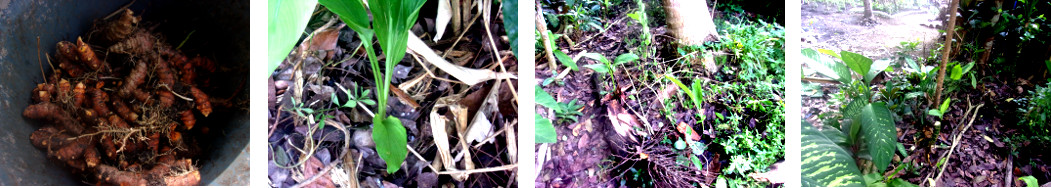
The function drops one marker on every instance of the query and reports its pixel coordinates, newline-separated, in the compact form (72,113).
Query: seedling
(568,111)
(392,22)
(352,100)
(941,109)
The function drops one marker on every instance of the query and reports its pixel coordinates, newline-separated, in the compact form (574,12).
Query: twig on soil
(430,73)
(417,154)
(541,26)
(464,31)
(600,32)
(1010,172)
(325,171)
(956,141)
(481,170)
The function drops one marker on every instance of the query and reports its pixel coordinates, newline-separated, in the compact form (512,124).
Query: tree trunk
(690,21)
(868,9)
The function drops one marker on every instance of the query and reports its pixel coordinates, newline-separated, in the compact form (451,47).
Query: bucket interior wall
(220,32)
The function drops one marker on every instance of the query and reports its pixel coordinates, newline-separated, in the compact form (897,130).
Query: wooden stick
(541,26)
(945,49)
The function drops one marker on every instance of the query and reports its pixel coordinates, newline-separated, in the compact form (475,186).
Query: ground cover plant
(407,93)
(959,111)
(624,100)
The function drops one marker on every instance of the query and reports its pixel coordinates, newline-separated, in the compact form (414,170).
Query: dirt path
(829,27)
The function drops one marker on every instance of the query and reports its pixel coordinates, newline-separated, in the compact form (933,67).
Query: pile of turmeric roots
(115,110)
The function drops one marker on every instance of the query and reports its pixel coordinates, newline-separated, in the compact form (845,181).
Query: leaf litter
(454,96)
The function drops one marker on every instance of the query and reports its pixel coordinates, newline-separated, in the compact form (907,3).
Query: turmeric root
(114,176)
(203,105)
(126,132)
(87,56)
(136,77)
(188,121)
(98,102)
(139,43)
(79,94)
(43,92)
(118,28)
(54,114)
(124,111)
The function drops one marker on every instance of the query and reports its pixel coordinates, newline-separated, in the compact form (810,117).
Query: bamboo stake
(945,49)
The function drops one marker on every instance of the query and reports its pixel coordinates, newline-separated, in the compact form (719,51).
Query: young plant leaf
(957,72)
(510,13)
(826,66)
(935,112)
(945,106)
(545,99)
(287,19)
(682,86)
(599,68)
(545,132)
(565,59)
(1030,181)
(857,62)
(390,138)
(625,58)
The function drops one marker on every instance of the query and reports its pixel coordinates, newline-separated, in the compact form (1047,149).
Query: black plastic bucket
(220,31)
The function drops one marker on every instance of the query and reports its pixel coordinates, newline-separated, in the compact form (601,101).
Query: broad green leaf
(945,106)
(898,182)
(681,86)
(934,112)
(852,112)
(974,82)
(967,67)
(390,138)
(825,66)
(834,135)
(880,134)
(545,132)
(352,12)
(287,19)
(857,62)
(599,68)
(957,72)
(510,12)
(597,57)
(698,92)
(625,58)
(877,67)
(1030,181)
(829,52)
(545,99)
(874,180)
(824,163)
(565,59)
(696,162)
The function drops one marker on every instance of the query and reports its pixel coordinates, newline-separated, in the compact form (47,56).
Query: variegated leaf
(824,163)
